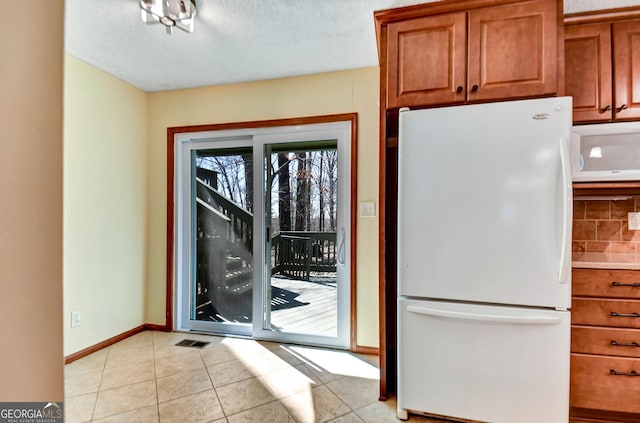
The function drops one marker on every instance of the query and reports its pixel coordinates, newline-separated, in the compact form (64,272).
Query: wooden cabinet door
(588,77)
(626,62)
(426,61)
(513,50)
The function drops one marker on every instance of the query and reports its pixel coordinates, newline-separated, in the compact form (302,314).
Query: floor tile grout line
(340,398)
(109,350)
(155,375)
(104,366)
(206,369)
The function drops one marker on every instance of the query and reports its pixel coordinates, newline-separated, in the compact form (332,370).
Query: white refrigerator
(484,261)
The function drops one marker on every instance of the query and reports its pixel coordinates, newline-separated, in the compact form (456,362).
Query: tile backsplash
(601,226)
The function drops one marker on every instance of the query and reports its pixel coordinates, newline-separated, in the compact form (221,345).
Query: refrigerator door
(492,364)
(484,203)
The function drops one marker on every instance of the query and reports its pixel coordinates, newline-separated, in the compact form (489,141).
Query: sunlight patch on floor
(335,362)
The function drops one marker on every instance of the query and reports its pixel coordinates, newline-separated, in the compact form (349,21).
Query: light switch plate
(634,221)
(367,209)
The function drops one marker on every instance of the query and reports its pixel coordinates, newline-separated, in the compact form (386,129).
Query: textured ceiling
(236,40)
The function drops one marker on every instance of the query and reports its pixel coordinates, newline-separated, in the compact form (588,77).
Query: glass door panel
(303,248)
(222,236)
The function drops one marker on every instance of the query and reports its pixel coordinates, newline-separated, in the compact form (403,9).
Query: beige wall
(105,204)
(322,94)
(31,201)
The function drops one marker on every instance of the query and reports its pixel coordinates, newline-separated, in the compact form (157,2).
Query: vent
(192,343)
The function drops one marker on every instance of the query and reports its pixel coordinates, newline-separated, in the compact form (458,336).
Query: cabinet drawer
(609,341)
(605,312)
(594,386)
(606,283)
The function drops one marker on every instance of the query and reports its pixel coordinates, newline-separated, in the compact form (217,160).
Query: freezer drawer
(488,363)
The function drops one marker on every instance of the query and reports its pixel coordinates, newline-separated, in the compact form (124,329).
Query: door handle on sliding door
(340,258)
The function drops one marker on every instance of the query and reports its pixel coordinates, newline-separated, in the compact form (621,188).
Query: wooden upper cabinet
(587,62)
(427,60)
(602,65)
(626,61)
(483,53)
(513,51)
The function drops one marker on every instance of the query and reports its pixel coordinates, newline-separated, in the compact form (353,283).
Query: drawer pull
(614,314)
(624,344)
(634,284)
(631,373)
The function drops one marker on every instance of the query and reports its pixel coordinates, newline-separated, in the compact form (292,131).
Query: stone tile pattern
(601,226)
(146,379)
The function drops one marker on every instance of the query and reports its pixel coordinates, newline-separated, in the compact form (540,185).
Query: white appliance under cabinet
(484,261)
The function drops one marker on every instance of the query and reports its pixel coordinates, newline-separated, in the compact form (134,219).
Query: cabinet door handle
(621,108)
(616,373)
(625,344)
(606,108)
(459,89)
(474,88)
(614,314)
(633,284)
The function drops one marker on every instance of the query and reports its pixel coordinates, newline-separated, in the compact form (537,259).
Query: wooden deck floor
(307,307)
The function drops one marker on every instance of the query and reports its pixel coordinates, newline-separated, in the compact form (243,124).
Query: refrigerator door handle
(565,259)
(492,318)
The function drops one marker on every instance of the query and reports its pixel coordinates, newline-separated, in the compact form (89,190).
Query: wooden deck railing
(298,253)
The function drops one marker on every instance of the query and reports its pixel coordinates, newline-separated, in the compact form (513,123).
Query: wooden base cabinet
(605,345)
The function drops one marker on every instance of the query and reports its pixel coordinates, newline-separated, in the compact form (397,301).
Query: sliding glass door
(306,248)
(218,265)
(263,218)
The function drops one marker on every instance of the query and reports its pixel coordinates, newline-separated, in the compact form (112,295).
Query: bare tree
(321,193)
(247,160)
(332,167)
(302,192)
(284,192)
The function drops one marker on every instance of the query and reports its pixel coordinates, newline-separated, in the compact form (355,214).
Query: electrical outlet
(634,221)
(367,209)
(76,316)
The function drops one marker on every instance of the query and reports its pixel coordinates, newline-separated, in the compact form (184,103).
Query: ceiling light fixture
(170,13)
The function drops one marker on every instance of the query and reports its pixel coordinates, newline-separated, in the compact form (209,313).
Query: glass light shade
(170,13)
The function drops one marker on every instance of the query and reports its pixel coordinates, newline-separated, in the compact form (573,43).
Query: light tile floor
(146,378)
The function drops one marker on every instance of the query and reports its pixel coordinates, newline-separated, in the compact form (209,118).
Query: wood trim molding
(170,226)
(607,185)
(382,215)
(170,253)
(157,328)
(359,349)
(583,415)
(599,189)
(104,344)
(608,15)
(384,17)
(353,345)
